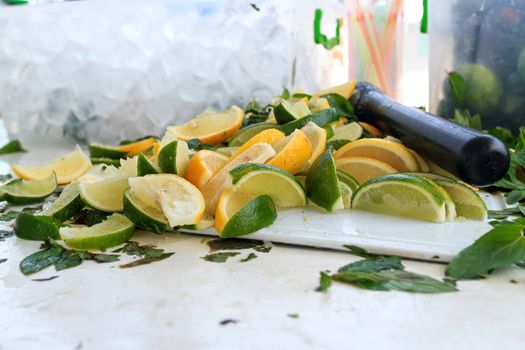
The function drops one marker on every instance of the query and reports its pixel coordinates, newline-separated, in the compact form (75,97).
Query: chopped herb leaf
(196,145)
(293,315)
(301,95)
(90,217)
(503,214)
(145,251)
(2,261)
(233,244)
(502,246)
(8,216)
(219,257)
(147,260)
(264,249)
(250,256)
(341,105)
(357,251)
(44,279)
(40,260)
(255,7)
(450,281)
(463,117)
(228,321)
(11,147)
(285,94)
(399,280)
(104,258)
(513,281)
(374,264)
(458,88)
(325,282)
(68,260)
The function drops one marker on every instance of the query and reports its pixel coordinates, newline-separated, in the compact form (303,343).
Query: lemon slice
(180,201)
(143,215)
(269,136)
(210,127)
(20,191)
(287,111)
(258,179)
(402,195)
(322,184)
(346,90)
(67,204)
(389,152)
(203,165)
(113,231)
(317,137)
(212,190)
(67,168)
(105,194)
(292,152)
(239,214)
(363,169)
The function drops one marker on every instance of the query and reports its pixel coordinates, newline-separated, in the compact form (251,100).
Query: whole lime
(483,88)
(521,65)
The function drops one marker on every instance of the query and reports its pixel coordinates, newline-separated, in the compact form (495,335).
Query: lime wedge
(36,227)
(143,215)
(67,204)
(105,194)
(113,231)
(468,203)
(287,111)
(322,184)
(247,133)
(107,161)
(351,132)
(402,195)
(346,194)
(145,167)
(258,179)
(347,179)
(97,150)
(26,192)
(174,158)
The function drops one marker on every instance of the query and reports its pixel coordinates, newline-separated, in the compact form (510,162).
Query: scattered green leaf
(325,282)
(503,214)
(336,144)
(44,279)
(250,256)
(8,216)
(3,260)
(11,147)
(147,260)
(255,7)
(293,315)
(146,251)
(233,244)
(341,105)
(219,257)
(502,246)
(285,94)
(264,249)
(463,117)
(196,145)
(357,251)
(374,264)
(6,233)
(513,281)
(503,134)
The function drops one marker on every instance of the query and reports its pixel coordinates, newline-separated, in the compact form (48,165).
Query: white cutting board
(379,234)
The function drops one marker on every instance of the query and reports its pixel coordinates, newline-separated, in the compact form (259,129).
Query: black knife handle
(475,157)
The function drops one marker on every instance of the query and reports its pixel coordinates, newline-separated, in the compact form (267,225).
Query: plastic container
(86,71)
(484,41)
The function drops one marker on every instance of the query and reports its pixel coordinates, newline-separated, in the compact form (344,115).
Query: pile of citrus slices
(230,170)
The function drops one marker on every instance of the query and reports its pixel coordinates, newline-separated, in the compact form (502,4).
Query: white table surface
(179,303)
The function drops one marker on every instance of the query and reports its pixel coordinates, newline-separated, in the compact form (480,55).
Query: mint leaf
(11,147)
(40,260)
(374,264)
(336,144)
(255,7)
(341,105)
(463,117)
(146,260)
(458,88)
(219,257)
(8,216)
(250,256)
(503,214)
(325,282)
(293,315)
(399,280)
(502,246)
(357,251)
(68,260)
(89,217)
(134,249)
(285,94)
(301,95)
(196,145)
(233,244)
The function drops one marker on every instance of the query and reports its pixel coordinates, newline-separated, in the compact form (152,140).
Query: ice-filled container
(86,71)
(483,41)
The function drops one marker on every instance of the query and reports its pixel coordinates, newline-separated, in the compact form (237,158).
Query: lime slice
(239,214)
(402,195)
(258,179)
(247,133)
(347,179)
(113,231)
(351,132)
(322,184)
(107,161)
(346,195)
(180,201)
(143,215)
(36,227)
(468,203)
(26,192)
(287,111)
(105,194)
(174,158)
(67,204)
(321,118)
(97,150)
(145,167)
